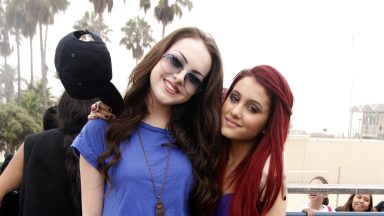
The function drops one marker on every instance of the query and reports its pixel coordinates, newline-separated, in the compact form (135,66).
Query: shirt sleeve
(90,143)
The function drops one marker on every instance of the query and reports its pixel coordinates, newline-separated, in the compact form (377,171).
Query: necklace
(159,207)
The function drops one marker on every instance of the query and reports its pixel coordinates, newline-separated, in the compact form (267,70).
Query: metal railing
(337,213)
(336,189)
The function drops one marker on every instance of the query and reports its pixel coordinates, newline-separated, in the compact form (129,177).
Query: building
(367,121)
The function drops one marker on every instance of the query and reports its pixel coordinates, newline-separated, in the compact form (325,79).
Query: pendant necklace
(159,207)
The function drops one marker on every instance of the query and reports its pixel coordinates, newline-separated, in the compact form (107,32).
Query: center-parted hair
(195,124)
(323,181)
(246,178)
(348,205)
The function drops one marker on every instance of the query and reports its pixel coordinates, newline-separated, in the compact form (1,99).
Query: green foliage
(94,22)
(145,5)
(100,5)
(138,36)
(32,101)
(165,13)
(15,124)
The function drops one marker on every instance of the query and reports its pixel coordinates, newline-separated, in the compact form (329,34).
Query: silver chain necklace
(159,207)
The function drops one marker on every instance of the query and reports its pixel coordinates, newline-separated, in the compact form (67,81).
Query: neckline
(153,128)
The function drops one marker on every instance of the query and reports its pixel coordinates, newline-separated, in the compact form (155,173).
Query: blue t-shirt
(223,205)
(132,191)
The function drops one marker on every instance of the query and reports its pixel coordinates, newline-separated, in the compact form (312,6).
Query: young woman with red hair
(255,121)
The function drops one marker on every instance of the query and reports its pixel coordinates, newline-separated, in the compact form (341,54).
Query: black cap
(85,69)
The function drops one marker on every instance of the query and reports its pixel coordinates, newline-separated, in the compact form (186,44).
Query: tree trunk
(43,69)
(7,90)
(31,84)
(18,71)
(163,31)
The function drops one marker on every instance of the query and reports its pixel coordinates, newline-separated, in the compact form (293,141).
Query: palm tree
(7,77)
(18,43)
(46,11)
(100,5)
(21,16)
(6,72)
(145,5)
(14,20)
(138,36)
(165,13)
(93,22)
(5,46)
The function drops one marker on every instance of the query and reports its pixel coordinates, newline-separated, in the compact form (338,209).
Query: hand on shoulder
(100,110)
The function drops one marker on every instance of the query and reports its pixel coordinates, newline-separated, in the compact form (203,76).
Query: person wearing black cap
(85,69)
(159,155)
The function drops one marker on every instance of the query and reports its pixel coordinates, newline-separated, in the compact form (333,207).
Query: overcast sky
(330,51)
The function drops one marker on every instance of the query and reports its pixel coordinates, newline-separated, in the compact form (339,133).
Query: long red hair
(247,176)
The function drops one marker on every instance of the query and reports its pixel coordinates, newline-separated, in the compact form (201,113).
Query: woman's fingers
(99,105)
(100,110)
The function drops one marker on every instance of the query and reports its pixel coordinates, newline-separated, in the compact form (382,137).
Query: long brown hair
(246,177)
(348,205)
(195,124)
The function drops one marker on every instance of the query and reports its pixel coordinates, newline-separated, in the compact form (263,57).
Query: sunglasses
(170,63)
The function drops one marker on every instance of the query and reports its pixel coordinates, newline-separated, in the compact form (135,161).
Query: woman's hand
(100,110)
(309,211)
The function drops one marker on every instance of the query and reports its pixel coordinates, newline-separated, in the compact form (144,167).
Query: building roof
(368,108)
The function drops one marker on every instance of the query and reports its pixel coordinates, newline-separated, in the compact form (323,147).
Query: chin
(227,133)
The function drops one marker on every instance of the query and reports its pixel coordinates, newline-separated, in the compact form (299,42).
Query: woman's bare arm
(92,189)
(12,176)
(279,207)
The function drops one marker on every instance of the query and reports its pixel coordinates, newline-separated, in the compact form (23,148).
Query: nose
(236,110)
(179,76)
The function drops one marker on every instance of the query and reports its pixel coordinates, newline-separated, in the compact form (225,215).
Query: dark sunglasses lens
(192,83)
(174,61)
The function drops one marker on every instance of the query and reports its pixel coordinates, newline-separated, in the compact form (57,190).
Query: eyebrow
(186,62)
(253,101)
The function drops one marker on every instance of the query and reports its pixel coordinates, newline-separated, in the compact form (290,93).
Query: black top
(45,189)
(380,206)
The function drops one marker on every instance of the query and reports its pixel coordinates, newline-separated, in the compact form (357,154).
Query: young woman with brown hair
(159,155)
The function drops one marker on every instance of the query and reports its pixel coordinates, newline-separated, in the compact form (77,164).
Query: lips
(359,206)
(231,122)
(170,87)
